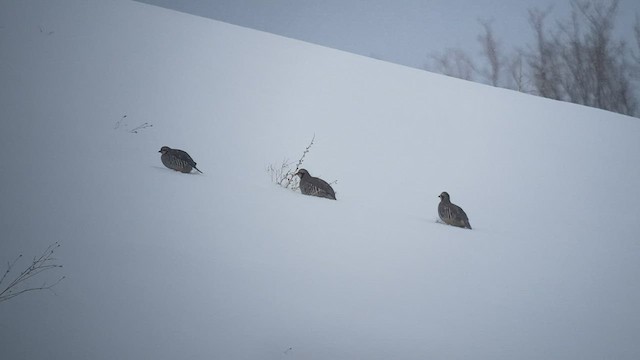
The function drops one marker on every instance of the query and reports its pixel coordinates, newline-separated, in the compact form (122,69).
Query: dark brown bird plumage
(314,186)
(177,160)
(452,214)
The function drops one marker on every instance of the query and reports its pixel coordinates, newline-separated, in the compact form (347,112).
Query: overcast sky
(404,31)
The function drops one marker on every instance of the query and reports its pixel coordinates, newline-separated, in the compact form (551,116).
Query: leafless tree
(597,65)
(635,53)
(580,61)
(543,58)
(19,284)
(491,51)
(594,53)
(636,33)
(577,60)
(518,77)
(453,62)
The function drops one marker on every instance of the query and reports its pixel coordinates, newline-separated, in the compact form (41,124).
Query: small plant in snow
(39,264)
(121,123)
(44,31)
(140,127)
(283,174)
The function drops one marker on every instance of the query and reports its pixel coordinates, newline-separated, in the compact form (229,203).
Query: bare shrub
(284,174)
(121,123)
(39,264)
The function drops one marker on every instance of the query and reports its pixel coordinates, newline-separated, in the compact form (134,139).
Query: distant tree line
(576,60)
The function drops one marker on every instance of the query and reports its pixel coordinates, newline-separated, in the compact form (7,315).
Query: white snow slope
(228,265)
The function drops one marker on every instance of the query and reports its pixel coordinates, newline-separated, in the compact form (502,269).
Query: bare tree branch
(543,58)
(39,264)
(518,74)
(306,150)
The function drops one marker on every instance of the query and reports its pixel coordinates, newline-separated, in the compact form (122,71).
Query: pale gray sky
(403,32)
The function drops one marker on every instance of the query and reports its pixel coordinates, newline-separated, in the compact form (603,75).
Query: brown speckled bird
(452,214)
(177,160)
(314,186)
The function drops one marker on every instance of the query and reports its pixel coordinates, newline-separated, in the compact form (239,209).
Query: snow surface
(227,265)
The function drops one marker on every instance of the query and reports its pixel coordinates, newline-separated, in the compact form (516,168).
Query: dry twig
(44,262)
(283,175)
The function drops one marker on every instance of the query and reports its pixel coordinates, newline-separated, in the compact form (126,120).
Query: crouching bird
(314,186)
(452,214)
(177,160)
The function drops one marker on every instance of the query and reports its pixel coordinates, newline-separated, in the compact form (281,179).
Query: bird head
(302,173)
(164,149)
(444,196)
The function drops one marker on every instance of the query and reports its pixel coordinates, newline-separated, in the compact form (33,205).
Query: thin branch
(284,175)
(140,127)
(11,294)
(9,266)
(304,154)
(119,122)
(38,265)
(279,175)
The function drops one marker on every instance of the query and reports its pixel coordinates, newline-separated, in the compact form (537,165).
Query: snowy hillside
(227,265)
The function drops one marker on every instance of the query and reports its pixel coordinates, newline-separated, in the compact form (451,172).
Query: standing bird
(177,160)
(452,214)
(314,186)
